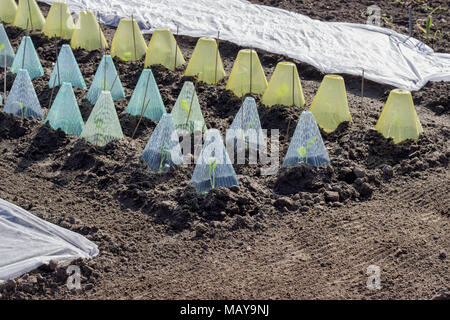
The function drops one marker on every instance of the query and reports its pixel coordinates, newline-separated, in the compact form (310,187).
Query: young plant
(1,46)
(165,156)
(303,151)
(212,162)
(22,109)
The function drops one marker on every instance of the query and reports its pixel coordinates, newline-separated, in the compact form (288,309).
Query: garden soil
(304,233)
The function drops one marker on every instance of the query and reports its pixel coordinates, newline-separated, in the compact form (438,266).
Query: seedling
(165,156)
(22,108)
(303,151)
(212,162)
(1,46)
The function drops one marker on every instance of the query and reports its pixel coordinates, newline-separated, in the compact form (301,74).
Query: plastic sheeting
(332,47)
(27,242)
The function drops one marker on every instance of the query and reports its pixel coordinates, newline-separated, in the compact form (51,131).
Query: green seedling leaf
(301,152)
(1,46)
(185,105)
(211,172)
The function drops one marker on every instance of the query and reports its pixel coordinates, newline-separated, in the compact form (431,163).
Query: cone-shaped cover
(22,100)
(7,48)
(29,13)
(31,63)
(68,70)
(284,87)
(123,45)
(163,148)
(206,62)
(186,113)
(59,22)
(239,81)
(161,50)
(65,113)
(87,33)
(113,83)
(8,9)
(307,145)
(330,105)
(146,97)
(399,119)
(103,125)
(214,168)
(246,127)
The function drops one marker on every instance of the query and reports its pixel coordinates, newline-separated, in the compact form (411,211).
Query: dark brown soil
(305,233)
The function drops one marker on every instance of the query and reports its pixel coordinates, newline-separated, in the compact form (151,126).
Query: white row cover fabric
(386,56)
(27,242)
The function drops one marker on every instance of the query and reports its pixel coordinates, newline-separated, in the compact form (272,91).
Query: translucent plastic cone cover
(22,100)
(68,70)
(246,127)
(206,62)
(31,63)
(65,113)
(239,80)
(163,148)
(59,22)
(186,113)
(112,83)
(123,44)
(8,9)
(213,168)
(399,119)
(87,33)
(284,87)
(146,98)
(29,14)
(330,105)
(307,145)
(161,50)
(103,125)
(7,49)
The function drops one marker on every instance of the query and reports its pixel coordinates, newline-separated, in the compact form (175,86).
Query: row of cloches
(330,105)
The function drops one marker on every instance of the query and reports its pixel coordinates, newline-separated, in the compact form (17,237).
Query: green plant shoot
(303,151)
(212,172)
(165,155)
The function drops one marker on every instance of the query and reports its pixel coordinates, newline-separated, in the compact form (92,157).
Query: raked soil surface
(304,233)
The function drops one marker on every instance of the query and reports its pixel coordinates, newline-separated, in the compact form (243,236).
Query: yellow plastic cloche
(206,62)
(330,105)
(239,81)
(123,44)
(284,87)
(161,50)
(59,22)
(8,10)
(399,119)
(29,14)
(87,33)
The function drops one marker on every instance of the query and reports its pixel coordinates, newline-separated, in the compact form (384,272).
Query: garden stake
(4,78)
(25,47)
(29,12)
(362,96)
(410,21)
(190,105)
(217,56)
(134,40)
(140,119)
(176,51)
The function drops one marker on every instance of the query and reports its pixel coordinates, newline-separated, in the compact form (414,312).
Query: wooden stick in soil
(362,97)
(190,105)
(4,78)
(29,12)
(134,38)
(25,46)
(57,64)
(140,119)
(293,101)
(142,109)
(217,57)
(176,51)
(251,69)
